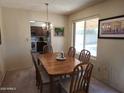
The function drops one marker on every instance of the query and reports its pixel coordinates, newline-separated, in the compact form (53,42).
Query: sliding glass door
(86,35)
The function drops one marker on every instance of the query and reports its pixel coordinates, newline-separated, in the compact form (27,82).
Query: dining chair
(42,77)
(39,46)
(80,79)
(71,52)
(47,48)
(34,62)
(45,77)
(84,56)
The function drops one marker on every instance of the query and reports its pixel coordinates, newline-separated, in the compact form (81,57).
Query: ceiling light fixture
(48,26)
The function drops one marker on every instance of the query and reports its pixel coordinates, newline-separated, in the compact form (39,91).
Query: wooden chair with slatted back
(71,52)
(45,77)
(42,77)
(80,79)
(84,56)
(36,69)
(47,48)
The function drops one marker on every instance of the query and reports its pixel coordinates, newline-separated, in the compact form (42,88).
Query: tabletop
(55,67)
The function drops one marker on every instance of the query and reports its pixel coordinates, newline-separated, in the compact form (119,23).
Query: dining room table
(57,67)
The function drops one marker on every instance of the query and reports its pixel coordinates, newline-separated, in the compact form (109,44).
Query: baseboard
(3,78)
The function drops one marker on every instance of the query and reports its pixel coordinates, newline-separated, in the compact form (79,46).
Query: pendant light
(48,24)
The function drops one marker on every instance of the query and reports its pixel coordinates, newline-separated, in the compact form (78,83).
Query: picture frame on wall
(59,31)
(0,37)
(111,28)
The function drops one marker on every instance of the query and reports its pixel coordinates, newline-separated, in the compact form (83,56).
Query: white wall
(110,60)
(2,46)
(18,40)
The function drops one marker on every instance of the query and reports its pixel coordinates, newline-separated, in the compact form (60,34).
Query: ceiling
(64,7)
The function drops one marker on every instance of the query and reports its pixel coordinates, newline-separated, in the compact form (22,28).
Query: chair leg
(37,82)
(60,90)
(41,88)
(39,85)
(36,79)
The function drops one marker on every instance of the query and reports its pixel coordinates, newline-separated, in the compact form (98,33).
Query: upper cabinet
(37,31)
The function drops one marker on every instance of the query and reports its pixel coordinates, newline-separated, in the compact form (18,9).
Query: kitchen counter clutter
(37,43)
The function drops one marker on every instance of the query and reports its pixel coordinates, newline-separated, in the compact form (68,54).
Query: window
(86,35)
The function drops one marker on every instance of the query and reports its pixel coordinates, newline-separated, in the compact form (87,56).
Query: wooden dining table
(56,67)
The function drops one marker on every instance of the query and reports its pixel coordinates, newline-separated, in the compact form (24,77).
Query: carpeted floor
(23,81)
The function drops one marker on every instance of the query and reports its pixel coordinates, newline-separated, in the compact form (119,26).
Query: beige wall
(110,60)
(17,31)
(2,46)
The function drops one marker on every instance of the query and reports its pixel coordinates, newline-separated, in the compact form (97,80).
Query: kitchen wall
(2,46)
(109,63)
(18,37)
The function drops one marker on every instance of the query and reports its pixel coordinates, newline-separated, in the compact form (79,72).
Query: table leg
(51,85)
